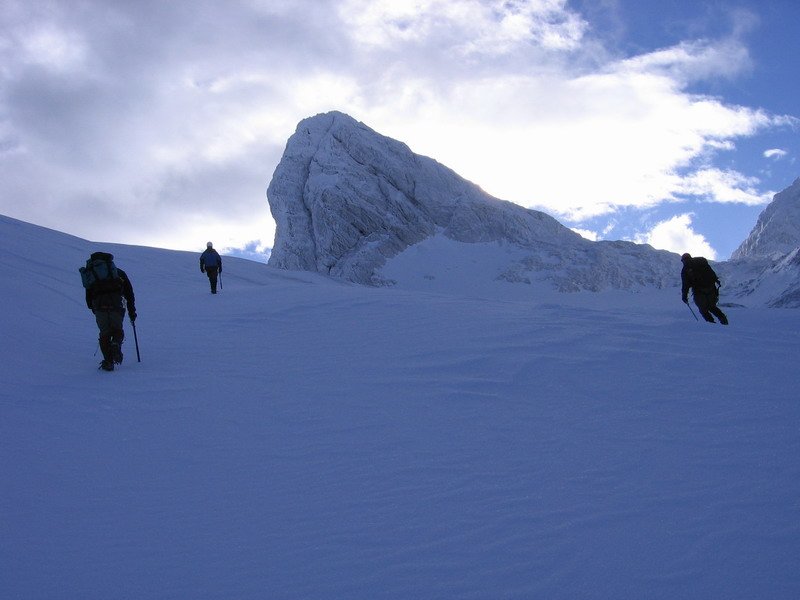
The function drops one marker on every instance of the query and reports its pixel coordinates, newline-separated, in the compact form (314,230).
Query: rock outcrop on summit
(765,269)
(345,199)
(777,231)
(353,204)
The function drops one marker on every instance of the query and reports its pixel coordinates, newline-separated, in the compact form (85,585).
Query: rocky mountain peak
(777,231)
(345,199)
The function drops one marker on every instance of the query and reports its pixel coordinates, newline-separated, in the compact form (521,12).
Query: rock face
(345,199)
(765,269)
(777,231)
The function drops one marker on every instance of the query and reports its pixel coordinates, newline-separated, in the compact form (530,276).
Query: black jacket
(210,259)
(112,300)
(698,275)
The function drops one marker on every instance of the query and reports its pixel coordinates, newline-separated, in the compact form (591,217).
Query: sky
(667,122)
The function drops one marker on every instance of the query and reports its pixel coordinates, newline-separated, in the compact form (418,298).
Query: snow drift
(295,436)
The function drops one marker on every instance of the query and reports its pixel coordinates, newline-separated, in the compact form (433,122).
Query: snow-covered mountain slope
(765,269)
(356,205)
(295,436)
(777,231)
(772,281)
(345,199)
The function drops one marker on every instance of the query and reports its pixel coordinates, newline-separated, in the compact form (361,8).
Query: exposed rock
(765,269)
(346,198)
(777,231)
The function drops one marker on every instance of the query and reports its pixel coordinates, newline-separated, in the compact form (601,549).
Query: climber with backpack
(211,265)
(698,276)
(106,287)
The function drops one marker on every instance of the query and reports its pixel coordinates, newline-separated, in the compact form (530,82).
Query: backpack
(211,258)
(703,276)
(100,274)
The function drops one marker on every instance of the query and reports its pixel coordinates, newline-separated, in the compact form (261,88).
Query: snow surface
(298,437)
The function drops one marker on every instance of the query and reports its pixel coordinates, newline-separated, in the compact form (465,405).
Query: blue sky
(153,123)
(767,32)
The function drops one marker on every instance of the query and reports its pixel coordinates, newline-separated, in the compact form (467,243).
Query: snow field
(296,437)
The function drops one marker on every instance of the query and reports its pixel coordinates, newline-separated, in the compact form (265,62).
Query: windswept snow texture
(299,437)
(345,199)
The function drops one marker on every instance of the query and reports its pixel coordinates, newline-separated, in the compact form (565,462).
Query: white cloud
(692,61)
(724,186)
(576,146)
(589,235)
(775,153)
(676,235)
(468,26)
(513,95)
(53,48)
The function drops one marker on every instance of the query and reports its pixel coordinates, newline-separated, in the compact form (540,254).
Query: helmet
(686,256)
(209,245)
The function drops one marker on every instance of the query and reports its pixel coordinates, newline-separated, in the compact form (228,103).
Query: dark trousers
(109,322)
(706,301)
(212,273)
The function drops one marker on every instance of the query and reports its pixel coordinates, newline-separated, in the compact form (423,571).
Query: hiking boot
(115,352)
(107,365)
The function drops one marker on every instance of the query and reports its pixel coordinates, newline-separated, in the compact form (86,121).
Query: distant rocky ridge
(346,199)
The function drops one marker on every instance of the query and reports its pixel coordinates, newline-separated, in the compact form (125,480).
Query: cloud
(586,233)
(724,187)
(775,153)
(692,61)
(676,235)
(467,27)
(163,122)
(53,48)
(254,250)
(578,146)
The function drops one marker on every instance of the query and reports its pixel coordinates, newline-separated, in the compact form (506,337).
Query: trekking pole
(220,279)
(687,304)
(136,341)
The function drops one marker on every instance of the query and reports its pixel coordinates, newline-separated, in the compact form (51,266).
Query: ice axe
(687,304)
(136,341)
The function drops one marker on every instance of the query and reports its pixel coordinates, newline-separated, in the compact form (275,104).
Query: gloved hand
(132,314)
(202,269)
(220,268)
